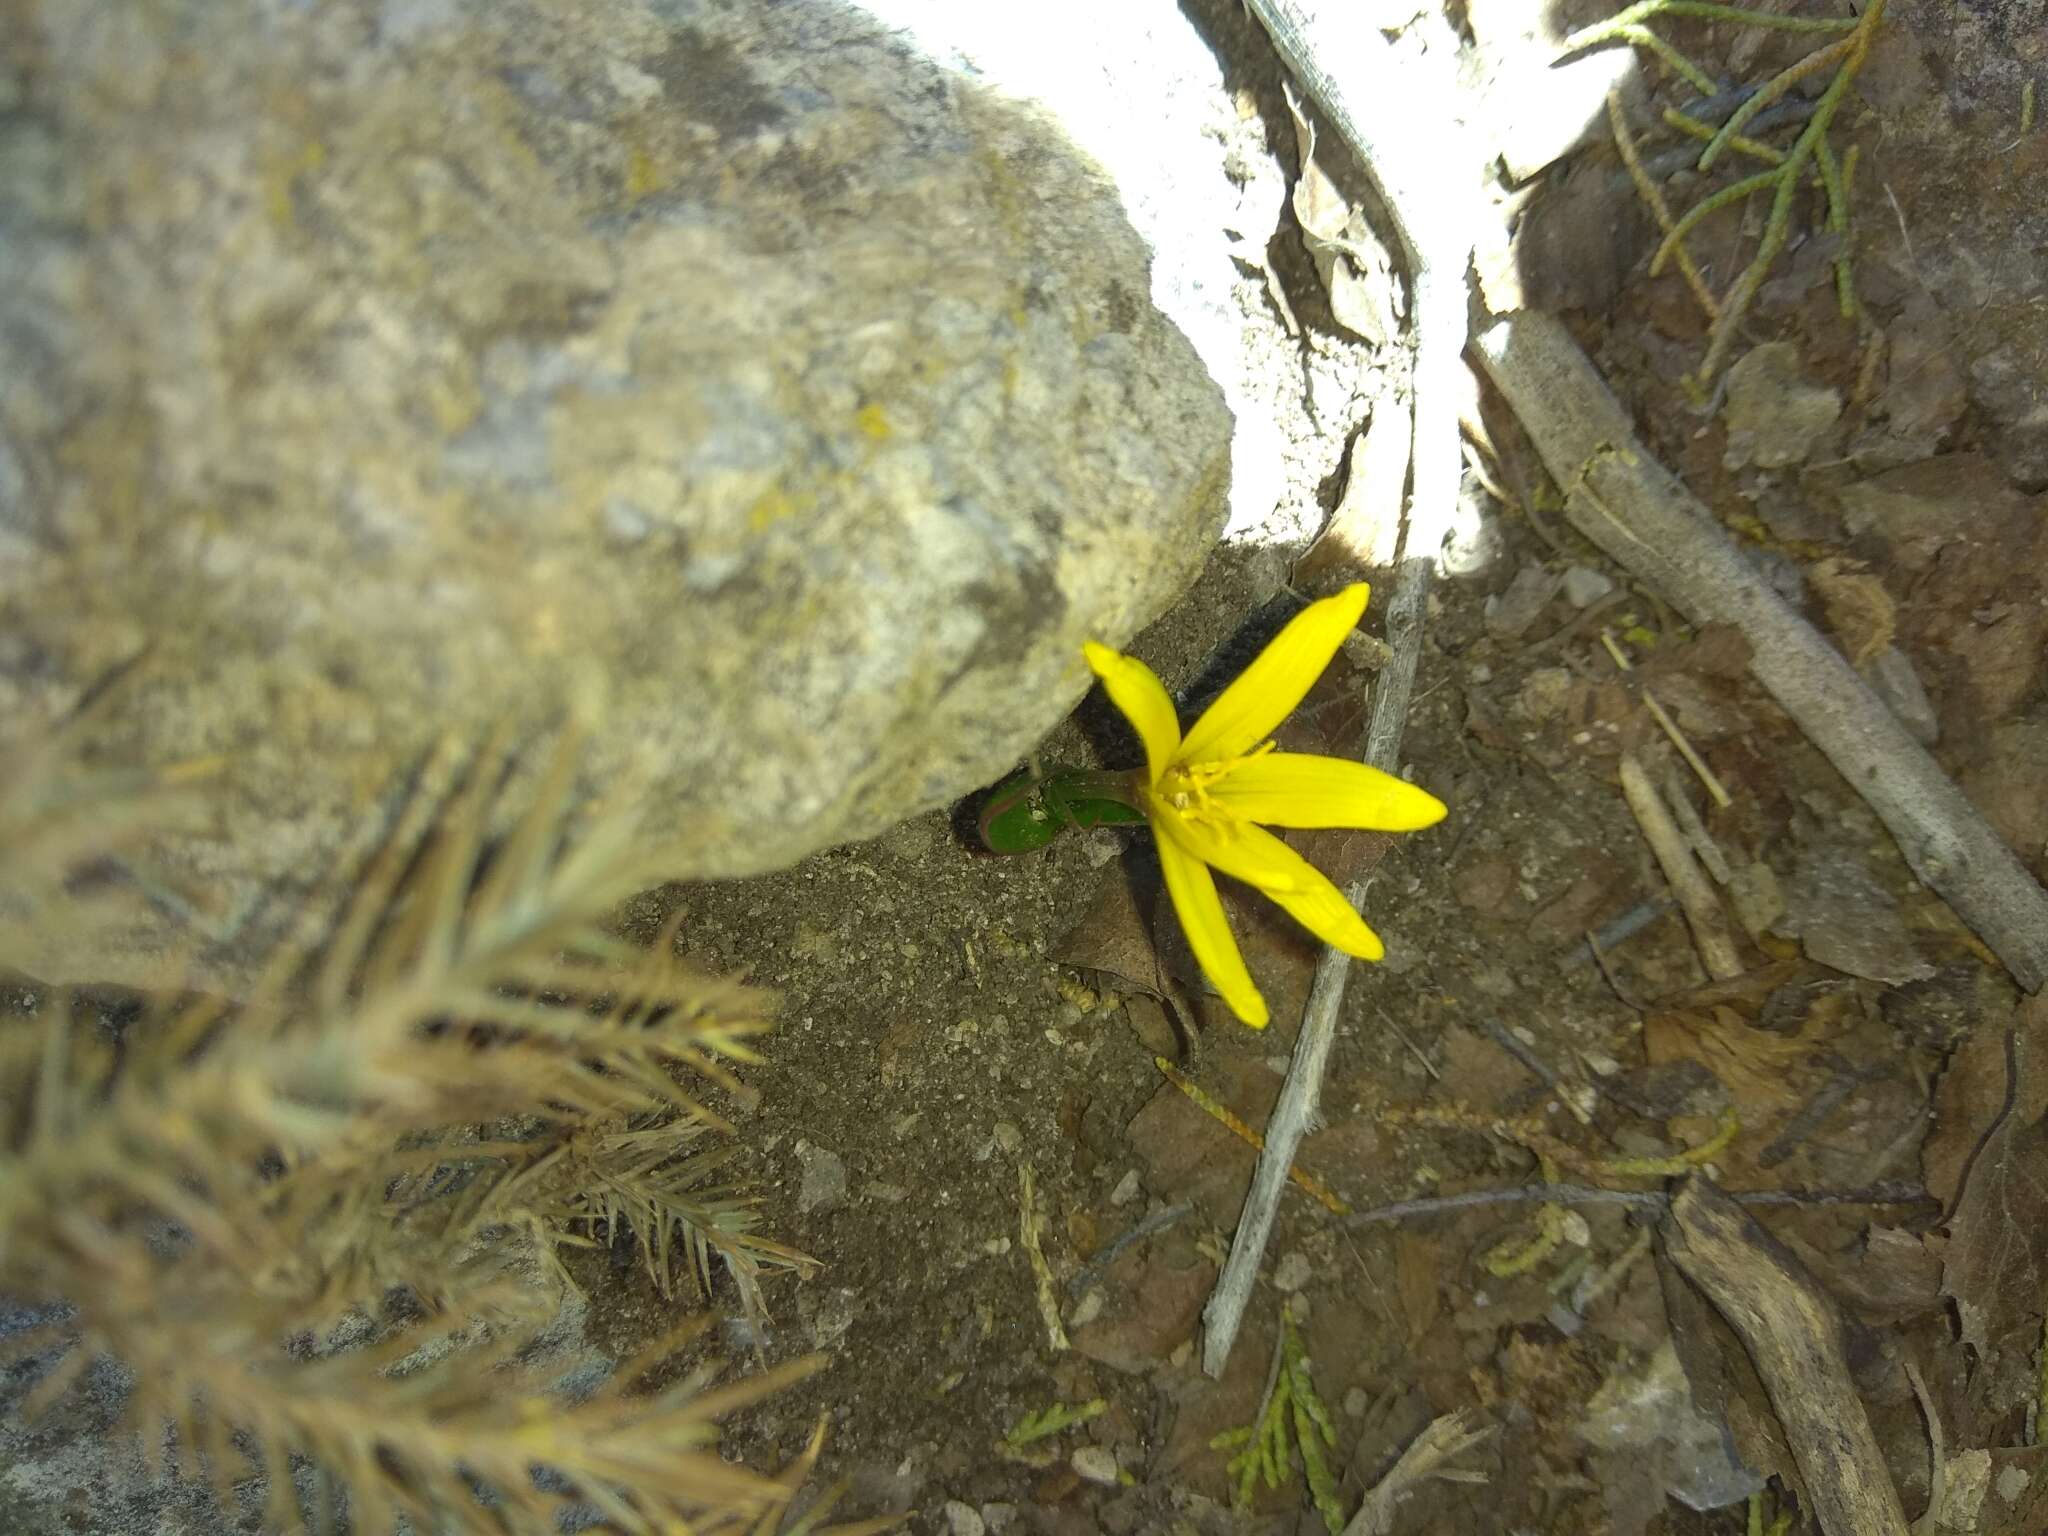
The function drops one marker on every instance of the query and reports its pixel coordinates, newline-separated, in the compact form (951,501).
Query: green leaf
(1022,814)
(1085,810)
(1015,817)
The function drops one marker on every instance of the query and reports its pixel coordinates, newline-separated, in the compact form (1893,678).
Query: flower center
(1184,788)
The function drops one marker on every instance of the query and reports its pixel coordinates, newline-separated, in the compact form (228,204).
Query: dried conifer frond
(384,1143)
(452,993)
(56,816)
(678,1212)
(431,1416)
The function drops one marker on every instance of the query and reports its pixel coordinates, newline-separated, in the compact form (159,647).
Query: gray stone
(1087,1309)
(787,407)
(827,1313)
(1584,586)
(822,1186)
(964,1519)
(1292,1272)
(1096,1464)
(1775,415)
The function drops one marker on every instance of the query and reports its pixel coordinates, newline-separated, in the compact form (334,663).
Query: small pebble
(1126,1189)
(1101,846)
(1008,1136)
(964,1520)
(1086,1310)
(1096,1464)
(823,1186)
(1291,1273)
(999,1517)
(1544,694)
(1356,1401)
(1583,586)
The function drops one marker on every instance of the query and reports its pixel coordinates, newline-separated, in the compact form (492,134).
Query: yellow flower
(1210,795)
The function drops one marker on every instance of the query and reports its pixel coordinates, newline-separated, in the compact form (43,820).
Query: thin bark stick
(1794,1335)
(1622,499)
(1342,59)
(1688,881)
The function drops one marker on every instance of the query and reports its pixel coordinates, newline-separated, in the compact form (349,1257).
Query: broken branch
(1794,1335)
(1688,881)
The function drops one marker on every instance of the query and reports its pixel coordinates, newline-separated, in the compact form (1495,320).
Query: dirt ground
(958,1028)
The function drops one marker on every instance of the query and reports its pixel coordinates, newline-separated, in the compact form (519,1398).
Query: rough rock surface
(729,374)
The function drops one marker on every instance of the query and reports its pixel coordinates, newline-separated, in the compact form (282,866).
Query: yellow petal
(1241,850)
(1266,692)
(1135,689)
(1299,789)
(1325,912)
(1278,873)
(1202,920)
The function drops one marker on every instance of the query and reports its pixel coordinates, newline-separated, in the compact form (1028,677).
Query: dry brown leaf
(1859,609)
(1754,1065)
(1996,1268)
(1418,1276)
(1967,1102)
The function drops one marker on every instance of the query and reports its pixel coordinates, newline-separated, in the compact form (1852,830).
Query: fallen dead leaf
(1859,609)
(1996,1268)
(1759,1069)
(2001,656)
(1967,1103)
(2009,784)
(1418,1277)
(1155,1295)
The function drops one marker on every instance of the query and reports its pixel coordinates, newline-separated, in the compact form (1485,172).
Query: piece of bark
(1794,1336)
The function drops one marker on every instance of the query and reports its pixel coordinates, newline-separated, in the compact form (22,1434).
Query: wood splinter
(1689,884)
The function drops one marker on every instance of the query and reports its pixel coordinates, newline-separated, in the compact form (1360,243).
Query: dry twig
(1688,881)
(1639,513)
(1445,1440)
(1346,63)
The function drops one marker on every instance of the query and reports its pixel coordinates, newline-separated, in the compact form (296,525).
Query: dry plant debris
(322,1221)
(1292,1424)
(1996,1265)
(1719,121)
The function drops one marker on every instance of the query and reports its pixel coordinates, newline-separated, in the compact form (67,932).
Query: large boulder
(726,373)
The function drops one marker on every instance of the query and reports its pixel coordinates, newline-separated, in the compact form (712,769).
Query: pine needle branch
(320,1222)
